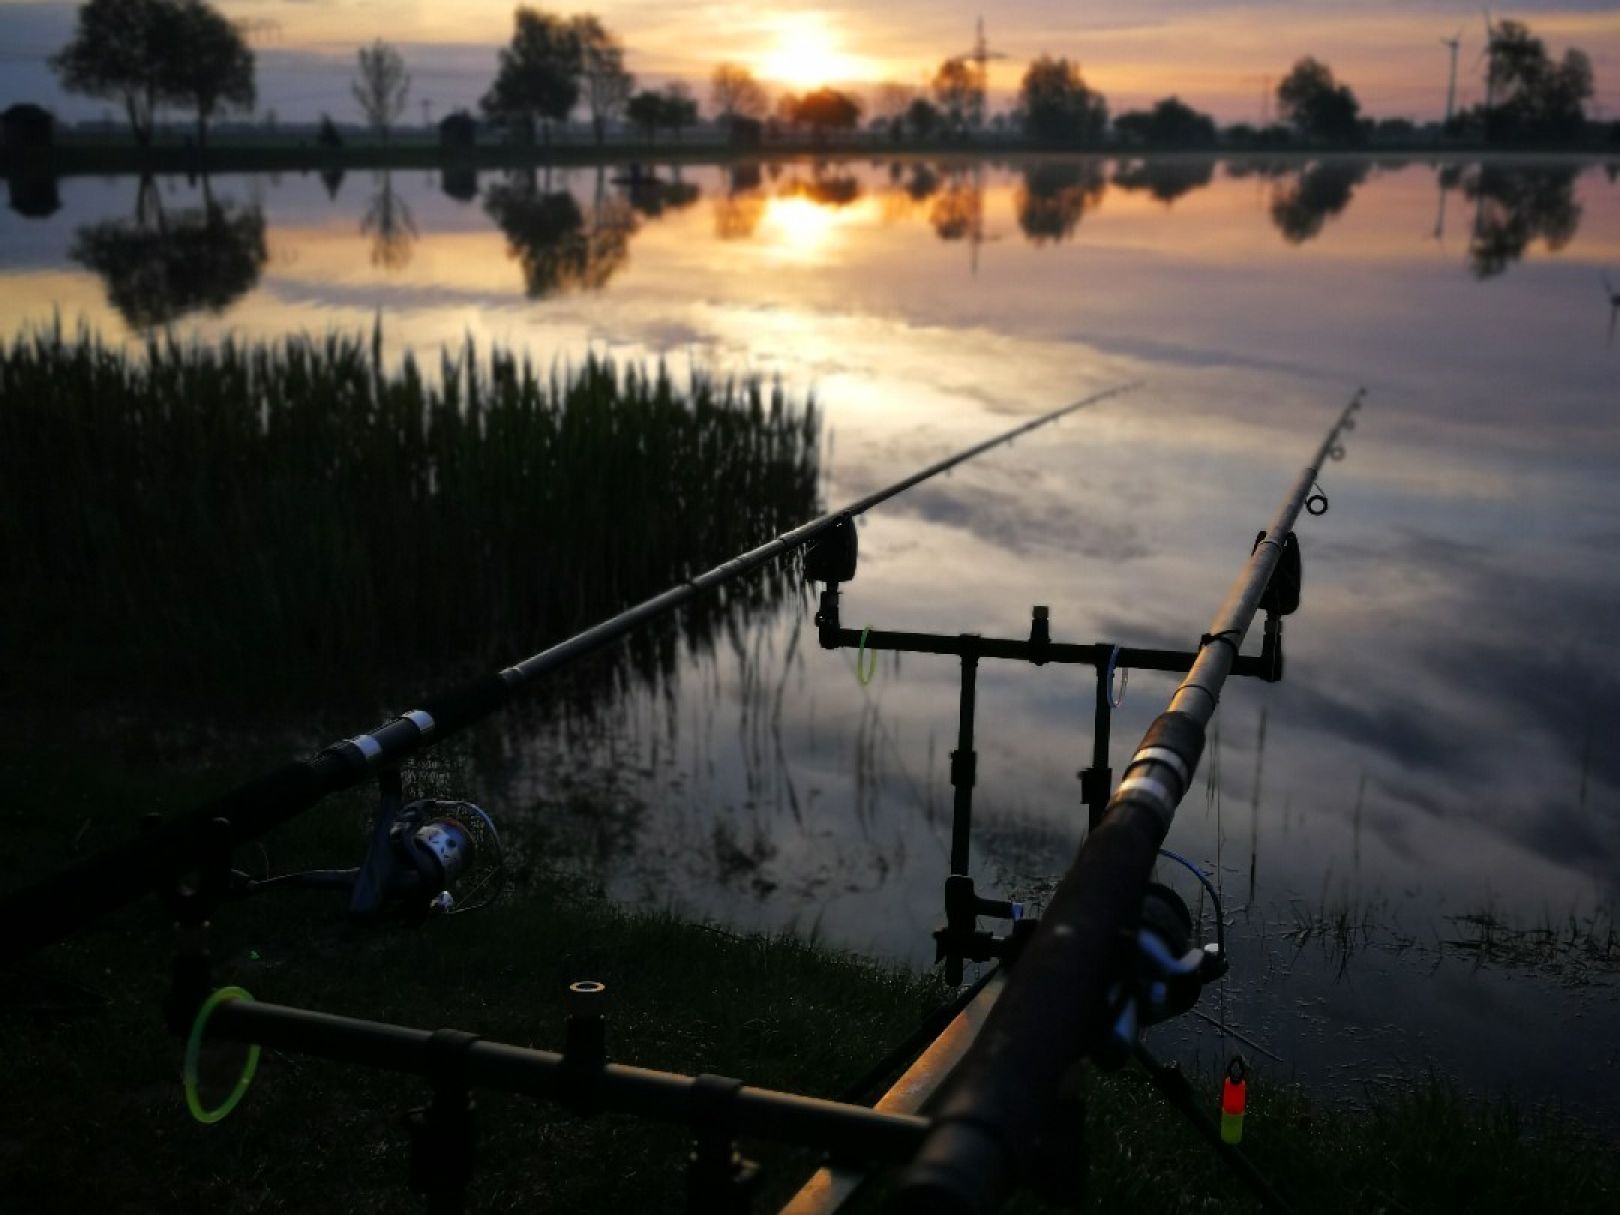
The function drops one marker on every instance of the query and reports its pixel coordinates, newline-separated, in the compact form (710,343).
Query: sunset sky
(1213,53)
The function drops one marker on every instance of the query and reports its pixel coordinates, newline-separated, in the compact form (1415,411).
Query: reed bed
(235,521)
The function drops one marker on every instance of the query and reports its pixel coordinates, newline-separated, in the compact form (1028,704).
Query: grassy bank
(91,155)
(318,523)
(91,1076)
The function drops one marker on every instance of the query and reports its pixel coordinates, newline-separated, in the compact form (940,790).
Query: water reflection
(737,213)
(332,180)
(1165,179)
(1301,206)
(33,195)
(546,232)
(162,265)
(389,224)
(459,181)
(1054,197)
(1517,205)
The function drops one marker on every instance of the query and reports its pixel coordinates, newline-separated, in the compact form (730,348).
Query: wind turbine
(1451,85)
(979,57)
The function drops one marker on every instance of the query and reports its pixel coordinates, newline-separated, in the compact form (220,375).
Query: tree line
(147,54)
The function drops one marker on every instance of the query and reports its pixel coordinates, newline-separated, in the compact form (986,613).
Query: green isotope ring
(194,1053)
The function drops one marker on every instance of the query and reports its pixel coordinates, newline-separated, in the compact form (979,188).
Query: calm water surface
(1444,742)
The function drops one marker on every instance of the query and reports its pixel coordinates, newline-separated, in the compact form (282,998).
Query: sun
(807,54)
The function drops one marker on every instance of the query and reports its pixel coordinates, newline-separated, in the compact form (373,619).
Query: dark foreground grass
(92,1117)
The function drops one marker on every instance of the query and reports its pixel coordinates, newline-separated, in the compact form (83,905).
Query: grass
(322,526)
(91,1075)
(1580,948)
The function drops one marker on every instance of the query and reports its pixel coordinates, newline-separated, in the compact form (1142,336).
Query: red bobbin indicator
(1234,1094)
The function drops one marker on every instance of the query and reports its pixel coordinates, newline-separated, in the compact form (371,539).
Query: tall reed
(238,520)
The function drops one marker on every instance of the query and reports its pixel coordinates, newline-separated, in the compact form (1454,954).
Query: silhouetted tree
(328,136)
(1517,205)
(1302,206)
(1535,98)
(538,76)
(381,85)
(162,266)
(207,64)
(1171,123)
(1165,180)
(680,108)
(828,109)
(957,93)
(119,51)
(735,93)
(1053,198)
(646,112)
(922,117)
(607,84)
(892,99)
(1318,106)
(1057,105)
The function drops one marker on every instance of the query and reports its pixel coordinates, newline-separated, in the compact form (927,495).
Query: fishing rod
(1088,980)
(202,838)
(985,1104)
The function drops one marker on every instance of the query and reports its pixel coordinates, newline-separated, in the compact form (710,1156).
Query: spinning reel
(428,857)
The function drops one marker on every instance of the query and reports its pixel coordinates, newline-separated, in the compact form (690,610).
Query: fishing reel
(428,857)
(1165,972)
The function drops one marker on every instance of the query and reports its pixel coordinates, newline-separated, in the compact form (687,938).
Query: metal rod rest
(849,1131)
(1055,1008)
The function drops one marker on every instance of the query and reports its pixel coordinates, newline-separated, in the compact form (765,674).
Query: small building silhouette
(458,130)
(26,131)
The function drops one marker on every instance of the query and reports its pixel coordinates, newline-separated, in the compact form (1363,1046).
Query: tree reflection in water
(827,190)
(1301,206)
(1053,198)
(389,223)
(162,265)
(737,214)
(1514,206)
(1165,180)
(546,232)
(958,210)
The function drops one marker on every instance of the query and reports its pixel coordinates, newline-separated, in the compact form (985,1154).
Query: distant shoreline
(71,160)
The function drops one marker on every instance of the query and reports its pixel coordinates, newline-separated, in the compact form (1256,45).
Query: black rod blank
(72,898)
(1054,1009)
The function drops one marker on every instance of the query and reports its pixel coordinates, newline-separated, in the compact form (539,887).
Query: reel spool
(457,850)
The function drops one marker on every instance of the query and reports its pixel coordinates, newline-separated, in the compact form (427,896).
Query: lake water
(1444,742)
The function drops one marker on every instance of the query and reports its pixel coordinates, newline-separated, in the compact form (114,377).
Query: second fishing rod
(204,837)
(1069,995)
